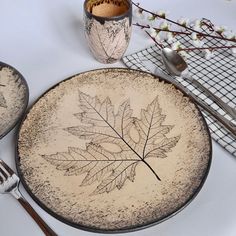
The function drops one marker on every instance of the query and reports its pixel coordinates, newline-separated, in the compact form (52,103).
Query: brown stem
(210,48)
(210,27)
(158,44)
(184,26)
(157,16)
(159,30)
(171,31)
(190,49)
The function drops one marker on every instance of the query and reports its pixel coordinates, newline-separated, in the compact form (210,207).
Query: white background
(44,40)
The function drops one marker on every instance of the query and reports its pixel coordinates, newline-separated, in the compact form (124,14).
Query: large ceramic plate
(14,96)
(113,150)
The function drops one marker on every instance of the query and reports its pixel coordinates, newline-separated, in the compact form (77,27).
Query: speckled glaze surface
(13,97)
(113,150)
(107,37)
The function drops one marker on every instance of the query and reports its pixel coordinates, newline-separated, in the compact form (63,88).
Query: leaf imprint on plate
(2,101)
(136,141)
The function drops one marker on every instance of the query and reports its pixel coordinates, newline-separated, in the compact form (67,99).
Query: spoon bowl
(174,63)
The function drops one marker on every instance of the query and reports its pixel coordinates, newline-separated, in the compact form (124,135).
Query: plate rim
(125,229)
(25,105)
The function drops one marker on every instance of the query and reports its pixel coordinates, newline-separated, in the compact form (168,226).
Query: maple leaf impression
(2,101)
(109,40)
(111,169)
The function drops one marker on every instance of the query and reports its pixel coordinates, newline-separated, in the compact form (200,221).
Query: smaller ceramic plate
(14,96)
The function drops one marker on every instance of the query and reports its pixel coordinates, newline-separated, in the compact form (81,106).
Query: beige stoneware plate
(113,150)
(14,97)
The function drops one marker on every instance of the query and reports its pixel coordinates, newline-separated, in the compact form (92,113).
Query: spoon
(177,66)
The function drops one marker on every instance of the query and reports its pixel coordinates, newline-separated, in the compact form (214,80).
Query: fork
(9,183)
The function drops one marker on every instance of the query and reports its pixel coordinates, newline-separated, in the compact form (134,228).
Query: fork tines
(5,171)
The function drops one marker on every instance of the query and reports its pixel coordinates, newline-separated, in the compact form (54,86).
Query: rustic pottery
(113,150)
(108,28)
(14,97)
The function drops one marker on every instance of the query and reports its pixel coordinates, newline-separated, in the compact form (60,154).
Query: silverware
(176,65)
(226,123)
(9,183)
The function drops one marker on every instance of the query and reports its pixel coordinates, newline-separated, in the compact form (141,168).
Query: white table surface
(44,40)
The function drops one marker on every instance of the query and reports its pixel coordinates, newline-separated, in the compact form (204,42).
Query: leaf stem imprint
(121,137)
(100,125)
(3,102)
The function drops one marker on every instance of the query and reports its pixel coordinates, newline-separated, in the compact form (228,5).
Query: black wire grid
(218,74)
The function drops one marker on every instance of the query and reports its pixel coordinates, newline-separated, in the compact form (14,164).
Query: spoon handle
(226,123)
(217,100)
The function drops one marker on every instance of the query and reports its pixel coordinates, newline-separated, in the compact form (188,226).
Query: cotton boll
(183,21)
(198,43)
(208,54)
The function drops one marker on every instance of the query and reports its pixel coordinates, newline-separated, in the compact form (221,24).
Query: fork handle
(41,223)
